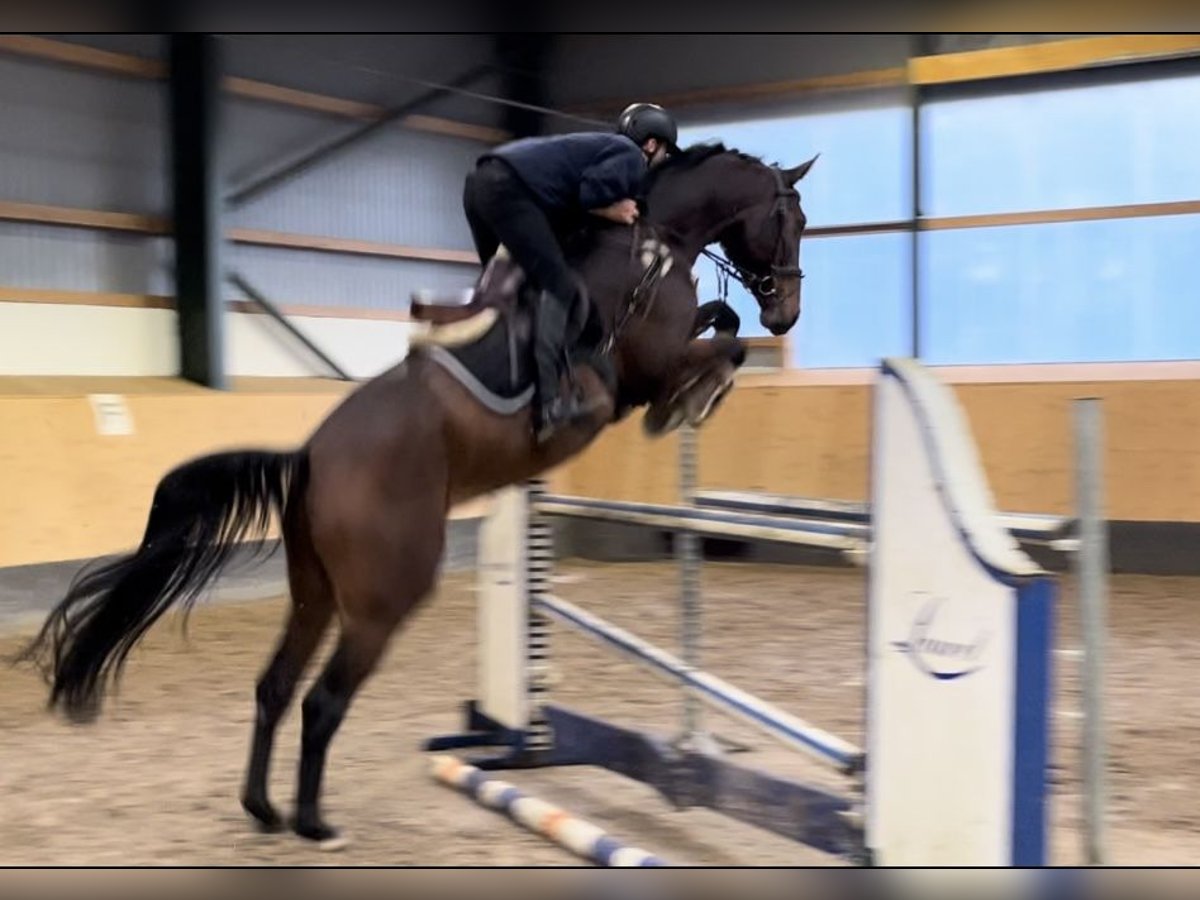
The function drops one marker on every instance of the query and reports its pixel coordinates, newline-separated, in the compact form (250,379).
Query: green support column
(195,182)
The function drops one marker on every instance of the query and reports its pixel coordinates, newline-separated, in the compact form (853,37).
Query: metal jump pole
(1093,565)
(687,552)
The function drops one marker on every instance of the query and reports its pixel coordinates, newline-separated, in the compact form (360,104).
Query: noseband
(763,285)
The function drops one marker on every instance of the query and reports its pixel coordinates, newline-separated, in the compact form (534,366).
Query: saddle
(442,309)
(483,337)
(499,287)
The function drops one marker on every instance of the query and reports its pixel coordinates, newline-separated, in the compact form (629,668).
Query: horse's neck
(692,208)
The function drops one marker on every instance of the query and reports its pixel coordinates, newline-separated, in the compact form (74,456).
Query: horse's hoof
(263,814)
(663,419)
(327,839)
(698,413)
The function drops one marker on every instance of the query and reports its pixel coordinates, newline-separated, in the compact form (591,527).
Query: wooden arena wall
(814,441)
(68,492)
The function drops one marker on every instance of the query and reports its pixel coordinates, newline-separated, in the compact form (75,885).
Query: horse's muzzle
(778,321)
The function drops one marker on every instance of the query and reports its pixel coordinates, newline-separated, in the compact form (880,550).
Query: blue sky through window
(1108,290)
(1118,290)
(863,174)
(855,301)
(1096,145)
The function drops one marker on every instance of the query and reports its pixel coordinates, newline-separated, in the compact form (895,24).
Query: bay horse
(363,503)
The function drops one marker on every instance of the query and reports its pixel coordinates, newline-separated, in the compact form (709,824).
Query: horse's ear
(794,175)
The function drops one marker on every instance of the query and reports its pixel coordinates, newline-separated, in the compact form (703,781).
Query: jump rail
(790,730)
(1056,532)
(846,536)
(958,638)
(577,835)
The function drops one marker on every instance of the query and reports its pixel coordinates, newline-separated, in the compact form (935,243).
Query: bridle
(764,286)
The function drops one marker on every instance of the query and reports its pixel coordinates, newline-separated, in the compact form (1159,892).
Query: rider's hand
(623,211)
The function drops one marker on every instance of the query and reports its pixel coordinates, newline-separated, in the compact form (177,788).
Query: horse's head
(762,241)
(709,194)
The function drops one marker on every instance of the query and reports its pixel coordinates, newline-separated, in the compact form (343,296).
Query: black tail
(202,511)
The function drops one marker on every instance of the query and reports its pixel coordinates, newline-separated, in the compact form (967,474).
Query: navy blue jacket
(573,173)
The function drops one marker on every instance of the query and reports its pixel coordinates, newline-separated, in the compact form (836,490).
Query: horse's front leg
(697,385)
(717,315)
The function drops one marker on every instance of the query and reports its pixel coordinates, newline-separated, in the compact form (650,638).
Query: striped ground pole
(581,838)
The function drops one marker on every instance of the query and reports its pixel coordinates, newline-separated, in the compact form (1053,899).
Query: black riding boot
(555,407)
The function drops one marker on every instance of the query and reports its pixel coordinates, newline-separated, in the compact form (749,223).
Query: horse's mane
(689,158)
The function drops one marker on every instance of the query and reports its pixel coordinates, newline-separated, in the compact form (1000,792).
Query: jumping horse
(363,503)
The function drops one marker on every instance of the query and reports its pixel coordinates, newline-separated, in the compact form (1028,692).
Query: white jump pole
(1093,567)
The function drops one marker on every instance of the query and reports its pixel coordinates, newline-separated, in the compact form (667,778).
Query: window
(863,175)
(1112,290)
(1117,290)
(856,305)
(1105,144)
(857,301)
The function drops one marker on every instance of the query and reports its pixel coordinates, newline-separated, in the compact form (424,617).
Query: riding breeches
(501,210)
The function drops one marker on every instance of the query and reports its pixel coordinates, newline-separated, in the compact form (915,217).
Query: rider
(530,193)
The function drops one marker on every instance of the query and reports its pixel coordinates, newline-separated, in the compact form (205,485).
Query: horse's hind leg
(312,609)
(376,592)
(358,652)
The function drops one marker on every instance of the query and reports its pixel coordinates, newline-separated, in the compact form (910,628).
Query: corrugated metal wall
(77,138)
(368,68)
(313,278)
(49,257)
(397,186)
(81,139)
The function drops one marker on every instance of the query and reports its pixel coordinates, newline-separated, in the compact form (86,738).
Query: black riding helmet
(641,121)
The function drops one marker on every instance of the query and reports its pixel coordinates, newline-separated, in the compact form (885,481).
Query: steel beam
(524,58)
(295,167)
(194,87)
(259,299)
